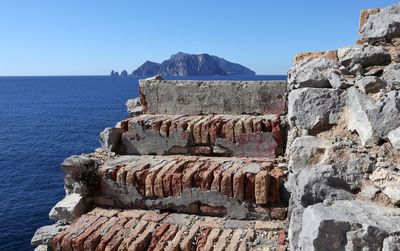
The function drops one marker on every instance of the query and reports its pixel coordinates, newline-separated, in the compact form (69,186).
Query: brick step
(140,230)
(240,188)
(213,97)
(209,135)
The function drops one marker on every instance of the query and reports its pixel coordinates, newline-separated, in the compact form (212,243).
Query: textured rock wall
(343,110)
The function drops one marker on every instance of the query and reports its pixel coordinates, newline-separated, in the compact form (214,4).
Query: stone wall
(344,115)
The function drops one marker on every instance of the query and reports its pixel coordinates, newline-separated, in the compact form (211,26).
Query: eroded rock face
(348,225)
(313,108)
(311,73)
(363,55)
(383,25)
(70,208)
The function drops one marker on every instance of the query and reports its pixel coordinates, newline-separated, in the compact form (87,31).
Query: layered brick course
(210,135)
(150,230)
(156,181)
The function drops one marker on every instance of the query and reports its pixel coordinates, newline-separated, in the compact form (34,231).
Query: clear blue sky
(92,37)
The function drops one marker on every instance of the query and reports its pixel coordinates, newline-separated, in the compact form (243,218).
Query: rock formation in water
(183,64)
(307,164)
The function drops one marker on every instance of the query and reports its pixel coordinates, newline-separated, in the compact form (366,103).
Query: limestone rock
(383,177)
(311,73)
(313,185)
(369,191)
(363,55)
(389,114)
(42,248)
(314,108)
(360,112)
(393,192)
(391,243)
(383,25)
(307,151)
(394,138)
(69,208)
(110,139)
(370,84)
(391,74)
(336,79)
(45,234)
(348,225)
(134,107)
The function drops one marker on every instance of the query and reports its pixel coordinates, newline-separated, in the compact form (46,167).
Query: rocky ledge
(311,164)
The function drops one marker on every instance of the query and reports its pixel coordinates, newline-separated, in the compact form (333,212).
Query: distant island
(184,64)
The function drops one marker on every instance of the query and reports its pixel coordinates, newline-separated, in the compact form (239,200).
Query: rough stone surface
(363,55)
(110,139)
(218,97)
(369,191)
(394,138)
(313,108)
(70,208)
(134,107)
(307,151)
(370,84)
(348,225)
(313,185)
(391,74)
(383,25)
(336,79)
(44,235)
(311,73)
(361,116)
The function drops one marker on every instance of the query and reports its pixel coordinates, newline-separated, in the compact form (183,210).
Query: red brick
(186,243)
(200,150)
(279,213)
(281,237)
(168,236)
(208,176)
(223,240)
(249,187)
(93,240)
(190,172)
(158,182)
(120,236)
(78,241)
(257,124)
(133,234)
(154,216)
(238,185)
(173,245)
(235,239)
(212,211)
(157,235)
(216,183)
(247,238)
(229,131)
(167,180)
(215,129)
(261,187)
(109,235)
(164,129)
(77,228)
(248,125)
(211,239)
(176,184)
(277,132)
(141,180)
(197,131)
(227,178)
(275,185)
(151,176)
(121,176)
(205,136)
(143,240)
(201,241)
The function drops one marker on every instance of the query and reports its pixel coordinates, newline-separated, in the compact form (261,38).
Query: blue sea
(43,120)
